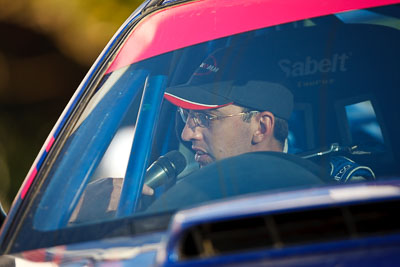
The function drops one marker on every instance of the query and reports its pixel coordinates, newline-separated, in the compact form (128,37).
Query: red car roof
(195,22)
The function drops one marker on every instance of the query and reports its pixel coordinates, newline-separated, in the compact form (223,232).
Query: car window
(298,105)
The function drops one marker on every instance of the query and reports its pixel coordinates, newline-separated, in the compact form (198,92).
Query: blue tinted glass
(364,126)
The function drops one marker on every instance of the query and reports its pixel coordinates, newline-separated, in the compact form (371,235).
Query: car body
(330,199)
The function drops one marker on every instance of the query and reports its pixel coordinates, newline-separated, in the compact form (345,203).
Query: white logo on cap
(209,67)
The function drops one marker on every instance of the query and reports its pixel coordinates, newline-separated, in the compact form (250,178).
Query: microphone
(165,169)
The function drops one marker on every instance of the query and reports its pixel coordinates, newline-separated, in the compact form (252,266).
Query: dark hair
(281,129)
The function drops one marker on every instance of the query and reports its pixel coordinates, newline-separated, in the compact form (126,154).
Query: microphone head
(165,169)
(177,160)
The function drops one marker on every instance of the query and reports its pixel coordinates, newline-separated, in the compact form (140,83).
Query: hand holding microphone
(164,171)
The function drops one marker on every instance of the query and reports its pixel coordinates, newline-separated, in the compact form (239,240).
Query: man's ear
(265,122)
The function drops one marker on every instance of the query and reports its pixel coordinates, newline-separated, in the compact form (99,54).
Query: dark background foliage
(46,48)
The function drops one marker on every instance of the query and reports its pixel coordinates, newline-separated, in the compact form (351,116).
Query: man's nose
(191,132)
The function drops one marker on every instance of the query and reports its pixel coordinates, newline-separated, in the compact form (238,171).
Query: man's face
(223,138)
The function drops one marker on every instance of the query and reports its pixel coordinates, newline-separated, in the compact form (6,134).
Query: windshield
(299,105)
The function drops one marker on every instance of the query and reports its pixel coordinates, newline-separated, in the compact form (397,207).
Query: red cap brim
(186,104)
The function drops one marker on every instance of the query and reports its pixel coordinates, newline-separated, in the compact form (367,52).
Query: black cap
(231,76)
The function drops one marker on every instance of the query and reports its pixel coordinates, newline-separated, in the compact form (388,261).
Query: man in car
(230,107)
(234,120)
